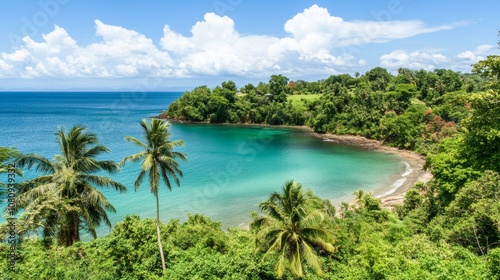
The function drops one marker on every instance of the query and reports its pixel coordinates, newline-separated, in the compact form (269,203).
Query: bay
(231,168)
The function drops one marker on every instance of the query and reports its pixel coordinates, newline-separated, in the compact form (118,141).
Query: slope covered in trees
(405,110)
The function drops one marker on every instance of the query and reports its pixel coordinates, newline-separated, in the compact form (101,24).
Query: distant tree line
(405,110)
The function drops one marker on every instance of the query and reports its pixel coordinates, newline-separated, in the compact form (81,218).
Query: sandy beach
(416,173)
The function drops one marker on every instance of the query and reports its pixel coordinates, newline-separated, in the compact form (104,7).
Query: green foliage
(450,168)
(483,137)
(64,200)
(294,230)
(371,247)
(473,218)
(7,156)
(411,110)
(494,262)
(489,69)
(159,162)
(278,87)
(379,78)
(412,201)
(400,131)
(400,96)
(367,247)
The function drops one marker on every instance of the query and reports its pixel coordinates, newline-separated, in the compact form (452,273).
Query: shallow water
(231,169)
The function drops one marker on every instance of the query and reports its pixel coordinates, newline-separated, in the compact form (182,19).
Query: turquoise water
(231,169)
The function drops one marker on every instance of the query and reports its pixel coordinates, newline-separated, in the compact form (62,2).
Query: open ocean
(231,169)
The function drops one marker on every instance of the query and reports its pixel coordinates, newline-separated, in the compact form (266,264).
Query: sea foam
(401,181)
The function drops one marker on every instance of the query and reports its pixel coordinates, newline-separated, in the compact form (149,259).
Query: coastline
(389,196)
(394,194)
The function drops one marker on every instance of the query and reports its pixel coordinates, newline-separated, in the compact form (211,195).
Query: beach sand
(395,195)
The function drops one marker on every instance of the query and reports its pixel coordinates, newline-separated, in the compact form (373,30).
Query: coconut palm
(295,228)
(63,200)
(158,160)
(6,154)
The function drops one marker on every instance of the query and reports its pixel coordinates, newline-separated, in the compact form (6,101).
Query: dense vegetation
(406,110)
(448,228)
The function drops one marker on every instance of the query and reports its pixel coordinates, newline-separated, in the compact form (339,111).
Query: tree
(295,228)
(405,76)
(400,97)
(483,137)
(278,86)
(158,161)
(64,199)
(379,78)
(473,218)
(6,154)
(218,108)
(230,86)
(489,69)
(401,131)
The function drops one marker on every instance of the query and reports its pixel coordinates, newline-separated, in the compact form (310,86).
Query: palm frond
(166,180)
(280,265)
(139,179)
(37,192)
(29,161)
(95,151)
(103,182)
(136,142)
(296,260)
(154,178)
(295,226)
(308,254)
(133,158)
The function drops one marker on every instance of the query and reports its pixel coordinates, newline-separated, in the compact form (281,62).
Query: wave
(395,186)
(401,181)
(408,169)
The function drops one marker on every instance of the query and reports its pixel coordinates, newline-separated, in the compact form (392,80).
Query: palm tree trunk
(158,233)
(69,233)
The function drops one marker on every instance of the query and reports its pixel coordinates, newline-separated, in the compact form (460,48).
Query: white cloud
(413,60)
(215,47)
(479,53)
(430,60)
(315,28)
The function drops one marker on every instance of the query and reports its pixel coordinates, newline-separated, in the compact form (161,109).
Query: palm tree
(158,160)
(358,197)
(64,200)
(7,154)
(295,228)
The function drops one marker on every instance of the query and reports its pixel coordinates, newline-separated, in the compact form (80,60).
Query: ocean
(231,168)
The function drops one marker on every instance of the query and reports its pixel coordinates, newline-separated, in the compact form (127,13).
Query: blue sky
(71,44)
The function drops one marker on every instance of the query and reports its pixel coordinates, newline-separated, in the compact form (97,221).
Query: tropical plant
(64,199)
(6,155)
(295,228)
(158,161)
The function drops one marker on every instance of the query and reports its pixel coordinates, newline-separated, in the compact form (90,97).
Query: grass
(299,100)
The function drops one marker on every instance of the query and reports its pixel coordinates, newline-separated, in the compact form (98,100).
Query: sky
(161,45)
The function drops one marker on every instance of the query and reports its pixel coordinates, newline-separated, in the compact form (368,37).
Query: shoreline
(394,194)
(389,196)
